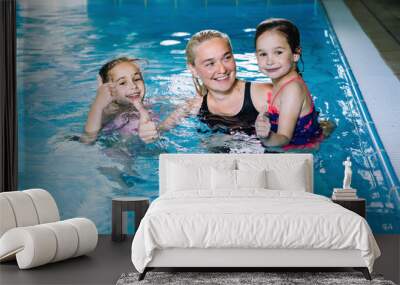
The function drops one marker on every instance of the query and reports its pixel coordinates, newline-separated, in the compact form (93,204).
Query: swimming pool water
(62,44)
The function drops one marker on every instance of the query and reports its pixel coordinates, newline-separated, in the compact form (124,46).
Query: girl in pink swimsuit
(307,132)
(290,119)
(119,101)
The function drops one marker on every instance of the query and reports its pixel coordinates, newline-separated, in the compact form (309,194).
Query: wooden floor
(103,266)
(110,259)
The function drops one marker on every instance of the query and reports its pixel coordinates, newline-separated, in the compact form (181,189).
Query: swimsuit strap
(296,78)
(204,105)
(283,86)
(247,103)
(246,106)
(247,88)
(269,98)
(249,111)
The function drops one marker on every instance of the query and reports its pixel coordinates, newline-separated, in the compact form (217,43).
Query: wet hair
(196,40)
(286,28)
(201,37)
(105,69)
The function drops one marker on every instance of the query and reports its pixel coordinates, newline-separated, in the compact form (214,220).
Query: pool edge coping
(370,80)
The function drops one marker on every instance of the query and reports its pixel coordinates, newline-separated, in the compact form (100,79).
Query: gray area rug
(231,278)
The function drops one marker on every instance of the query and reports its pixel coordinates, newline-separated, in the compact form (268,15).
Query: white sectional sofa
(31,231)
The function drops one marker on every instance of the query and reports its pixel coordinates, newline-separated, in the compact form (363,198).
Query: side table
(355,205)
(124,204)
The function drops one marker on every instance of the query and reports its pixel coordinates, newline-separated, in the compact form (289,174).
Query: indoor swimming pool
(62,44)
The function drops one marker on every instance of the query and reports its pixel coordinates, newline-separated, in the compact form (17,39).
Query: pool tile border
(371,74)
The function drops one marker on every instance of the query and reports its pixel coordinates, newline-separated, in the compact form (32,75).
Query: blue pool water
(62,44)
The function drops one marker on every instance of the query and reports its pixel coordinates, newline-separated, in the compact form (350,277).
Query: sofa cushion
(40,244)
(45,205)
(24,211)
(7,215)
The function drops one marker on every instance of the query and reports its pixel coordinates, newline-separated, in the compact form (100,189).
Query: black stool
(123,204)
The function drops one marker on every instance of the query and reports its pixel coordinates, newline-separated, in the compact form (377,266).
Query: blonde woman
(222,101)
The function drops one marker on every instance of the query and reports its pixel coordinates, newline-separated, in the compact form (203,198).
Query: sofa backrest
(26,208)
(278,162)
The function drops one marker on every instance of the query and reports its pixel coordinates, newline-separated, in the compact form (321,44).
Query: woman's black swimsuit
(242,121)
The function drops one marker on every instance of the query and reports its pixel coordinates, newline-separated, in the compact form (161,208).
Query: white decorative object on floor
(32,233)
(347,173)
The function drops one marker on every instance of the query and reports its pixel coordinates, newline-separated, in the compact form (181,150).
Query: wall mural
(104,88)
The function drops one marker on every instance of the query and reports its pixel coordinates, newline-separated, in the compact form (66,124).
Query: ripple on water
(180,34)
(169,42)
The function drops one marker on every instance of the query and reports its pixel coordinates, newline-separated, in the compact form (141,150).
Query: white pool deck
(378,84)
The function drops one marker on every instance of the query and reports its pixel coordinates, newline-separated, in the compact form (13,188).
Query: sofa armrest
(40,244)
